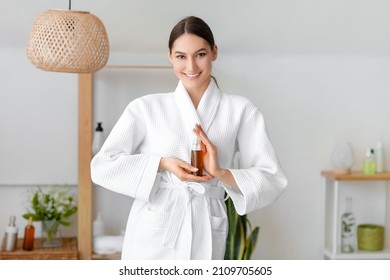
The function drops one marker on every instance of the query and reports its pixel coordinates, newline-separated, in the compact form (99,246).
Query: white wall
(38,113)
(309,101)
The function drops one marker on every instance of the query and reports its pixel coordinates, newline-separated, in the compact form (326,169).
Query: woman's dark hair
(191,25)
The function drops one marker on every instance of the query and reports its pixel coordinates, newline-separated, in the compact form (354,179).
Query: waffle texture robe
(171,219)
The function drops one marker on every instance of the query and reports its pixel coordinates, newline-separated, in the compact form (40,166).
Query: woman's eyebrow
(200,50)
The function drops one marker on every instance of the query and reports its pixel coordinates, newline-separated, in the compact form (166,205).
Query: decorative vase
(51,234)
(342,158)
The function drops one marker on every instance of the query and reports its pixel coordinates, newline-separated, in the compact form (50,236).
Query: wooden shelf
(356,176)
(116,256)
(68,251)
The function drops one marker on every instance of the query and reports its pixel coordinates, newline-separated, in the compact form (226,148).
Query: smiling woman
(177,214)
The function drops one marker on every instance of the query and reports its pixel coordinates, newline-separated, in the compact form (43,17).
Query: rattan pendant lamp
(68,41)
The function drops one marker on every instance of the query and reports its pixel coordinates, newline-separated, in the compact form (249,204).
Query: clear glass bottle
(379,157)
(348,229)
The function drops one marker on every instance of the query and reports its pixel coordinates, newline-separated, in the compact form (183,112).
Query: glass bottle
(28,240)
(348,229)
(197,157)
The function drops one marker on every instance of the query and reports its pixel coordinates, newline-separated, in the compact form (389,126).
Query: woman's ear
(170,56)
(215,52)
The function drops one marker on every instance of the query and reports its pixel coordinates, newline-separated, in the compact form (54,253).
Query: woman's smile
(192,75)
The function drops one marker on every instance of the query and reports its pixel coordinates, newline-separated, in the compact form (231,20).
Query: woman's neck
(196,94)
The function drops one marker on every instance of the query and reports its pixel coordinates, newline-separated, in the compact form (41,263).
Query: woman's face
(192,57)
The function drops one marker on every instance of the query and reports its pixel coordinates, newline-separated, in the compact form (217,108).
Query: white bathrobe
(171,219)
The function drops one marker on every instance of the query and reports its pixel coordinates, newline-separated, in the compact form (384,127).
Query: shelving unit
(85,132)
(334,184)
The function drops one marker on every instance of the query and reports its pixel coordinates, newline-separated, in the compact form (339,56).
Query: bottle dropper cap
(196,144)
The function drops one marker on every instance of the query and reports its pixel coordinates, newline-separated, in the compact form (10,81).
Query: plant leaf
(251,243)
(232,222)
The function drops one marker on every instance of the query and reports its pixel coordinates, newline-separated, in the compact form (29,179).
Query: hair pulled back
(191,25)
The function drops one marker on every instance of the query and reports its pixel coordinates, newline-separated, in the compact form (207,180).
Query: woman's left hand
(211,164)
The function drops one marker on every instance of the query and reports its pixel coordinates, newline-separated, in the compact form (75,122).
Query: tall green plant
(242,238)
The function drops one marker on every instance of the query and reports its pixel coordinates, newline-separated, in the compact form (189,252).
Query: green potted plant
(242,237)
(52,208)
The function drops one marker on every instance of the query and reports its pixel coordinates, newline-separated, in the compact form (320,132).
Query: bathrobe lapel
(206,111)
(204,115)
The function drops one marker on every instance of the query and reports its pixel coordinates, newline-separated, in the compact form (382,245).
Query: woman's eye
(180,56)
(201,54)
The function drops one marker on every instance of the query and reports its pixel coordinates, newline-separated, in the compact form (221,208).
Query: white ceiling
(245,26)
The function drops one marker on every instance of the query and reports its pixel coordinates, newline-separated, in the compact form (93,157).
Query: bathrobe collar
(206,111)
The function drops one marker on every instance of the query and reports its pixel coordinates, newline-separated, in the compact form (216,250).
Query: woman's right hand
(181,169)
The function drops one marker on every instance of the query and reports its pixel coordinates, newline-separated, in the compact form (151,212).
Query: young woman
(176,214)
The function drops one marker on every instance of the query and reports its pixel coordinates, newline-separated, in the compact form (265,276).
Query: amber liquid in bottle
(197,161)
(28,241)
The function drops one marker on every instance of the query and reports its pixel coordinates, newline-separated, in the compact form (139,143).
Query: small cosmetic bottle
(11,235)
(98,139)
(197,157)
(28,241)
(379,157)
(369,163)
(98,226)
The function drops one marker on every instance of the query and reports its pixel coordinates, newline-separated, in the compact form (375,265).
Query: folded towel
(108,244)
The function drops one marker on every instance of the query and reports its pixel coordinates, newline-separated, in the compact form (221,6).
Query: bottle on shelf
(348,229)
(98,139)
(28,240)
(379,157)
(11,235)
(369,163)
(98,226)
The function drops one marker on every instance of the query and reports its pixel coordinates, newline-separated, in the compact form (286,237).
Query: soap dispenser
(369,163)
(98,139)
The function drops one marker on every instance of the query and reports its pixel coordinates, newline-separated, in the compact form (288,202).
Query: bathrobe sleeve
(119,166)
(259,177)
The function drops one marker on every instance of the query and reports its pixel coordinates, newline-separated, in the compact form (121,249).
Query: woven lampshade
(68,41)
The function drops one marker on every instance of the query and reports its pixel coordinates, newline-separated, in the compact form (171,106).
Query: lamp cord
(70,4)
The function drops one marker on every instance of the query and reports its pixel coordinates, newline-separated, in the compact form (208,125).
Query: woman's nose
(191,64)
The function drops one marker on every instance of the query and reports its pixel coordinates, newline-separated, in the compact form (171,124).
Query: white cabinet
(374,197)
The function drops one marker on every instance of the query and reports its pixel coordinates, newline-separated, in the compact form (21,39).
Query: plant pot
(370,237)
